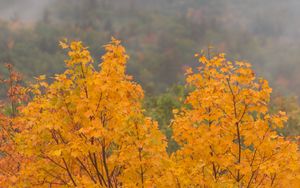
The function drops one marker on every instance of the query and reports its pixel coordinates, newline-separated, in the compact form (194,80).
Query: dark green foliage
(160,108)
(290,105)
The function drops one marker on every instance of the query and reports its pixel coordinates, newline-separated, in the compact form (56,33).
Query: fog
(266,33)
(255,15)
(25,10)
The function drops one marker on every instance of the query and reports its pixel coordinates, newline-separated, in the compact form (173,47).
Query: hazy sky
(26,10)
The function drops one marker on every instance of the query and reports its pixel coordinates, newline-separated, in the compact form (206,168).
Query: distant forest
(160,35)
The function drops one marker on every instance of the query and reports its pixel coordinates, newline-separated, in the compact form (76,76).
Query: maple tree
(88,129)
(226,134)
(10,158)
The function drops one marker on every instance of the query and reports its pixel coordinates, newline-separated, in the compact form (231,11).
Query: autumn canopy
(88,128)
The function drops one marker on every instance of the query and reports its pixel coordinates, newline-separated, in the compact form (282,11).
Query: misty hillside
(163,34)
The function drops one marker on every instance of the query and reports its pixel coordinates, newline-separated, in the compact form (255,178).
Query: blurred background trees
(161,37)
(163,34)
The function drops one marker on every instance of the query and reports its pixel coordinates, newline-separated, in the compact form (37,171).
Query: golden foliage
(88,129)
(226,133)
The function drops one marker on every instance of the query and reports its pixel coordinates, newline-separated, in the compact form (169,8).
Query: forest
(149,93)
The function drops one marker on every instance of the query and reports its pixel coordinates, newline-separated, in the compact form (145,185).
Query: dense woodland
(187,104)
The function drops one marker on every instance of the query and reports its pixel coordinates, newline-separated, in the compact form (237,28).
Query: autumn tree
(10,158)
(226,134)
(88,128)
